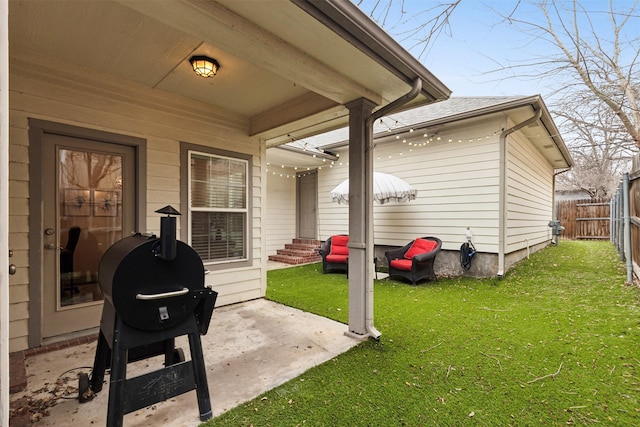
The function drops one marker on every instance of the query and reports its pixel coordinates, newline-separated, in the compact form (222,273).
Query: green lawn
(555,342)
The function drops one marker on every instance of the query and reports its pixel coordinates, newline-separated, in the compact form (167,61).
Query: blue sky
(479,41)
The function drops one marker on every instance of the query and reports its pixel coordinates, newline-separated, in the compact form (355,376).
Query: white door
(88,191)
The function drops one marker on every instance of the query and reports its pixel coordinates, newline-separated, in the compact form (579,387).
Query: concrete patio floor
(250,348)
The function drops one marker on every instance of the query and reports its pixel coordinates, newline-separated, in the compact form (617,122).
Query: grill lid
(152,283)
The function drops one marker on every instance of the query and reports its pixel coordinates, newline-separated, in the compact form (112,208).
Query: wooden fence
(584,219)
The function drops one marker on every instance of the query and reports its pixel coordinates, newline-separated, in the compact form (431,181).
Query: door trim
(37,129)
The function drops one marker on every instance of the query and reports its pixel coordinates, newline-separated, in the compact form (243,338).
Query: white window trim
(246,210)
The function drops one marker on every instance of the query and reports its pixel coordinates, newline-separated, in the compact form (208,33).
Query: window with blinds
(218,207)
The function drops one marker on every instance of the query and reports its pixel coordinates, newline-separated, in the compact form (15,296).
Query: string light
(426,140)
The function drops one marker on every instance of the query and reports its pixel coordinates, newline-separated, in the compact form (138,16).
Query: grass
(555,342)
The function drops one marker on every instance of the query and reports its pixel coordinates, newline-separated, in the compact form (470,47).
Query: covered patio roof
(286,67)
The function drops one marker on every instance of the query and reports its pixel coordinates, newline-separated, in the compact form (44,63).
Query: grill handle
(145,297)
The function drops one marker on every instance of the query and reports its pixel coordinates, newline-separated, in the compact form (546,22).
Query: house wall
(457,178)
(55,93)
(457,182)
(281,211)
(529,199)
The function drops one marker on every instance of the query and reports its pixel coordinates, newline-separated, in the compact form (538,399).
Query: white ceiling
(279,67)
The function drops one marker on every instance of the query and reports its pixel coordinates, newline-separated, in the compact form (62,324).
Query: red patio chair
(415,260)
(335,254)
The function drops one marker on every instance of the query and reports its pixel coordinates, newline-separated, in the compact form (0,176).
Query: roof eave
(535,101)
(538,103)
(348,21)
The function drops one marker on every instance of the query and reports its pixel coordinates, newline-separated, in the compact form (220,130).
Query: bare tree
(586,57)
(430,22)
(599,144)
(590,58)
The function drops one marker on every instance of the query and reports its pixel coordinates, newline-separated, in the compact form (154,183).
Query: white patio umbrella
(386,188)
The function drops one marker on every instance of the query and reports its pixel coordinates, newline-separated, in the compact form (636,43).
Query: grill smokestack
(168,241)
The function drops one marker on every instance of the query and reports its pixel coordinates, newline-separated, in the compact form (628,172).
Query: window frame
(186,152)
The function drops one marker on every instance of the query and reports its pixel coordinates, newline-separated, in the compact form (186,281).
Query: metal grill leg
(200,373)
(99,363)
(115,411)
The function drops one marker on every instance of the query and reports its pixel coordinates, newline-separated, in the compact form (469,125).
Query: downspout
(502,216)
(369,249)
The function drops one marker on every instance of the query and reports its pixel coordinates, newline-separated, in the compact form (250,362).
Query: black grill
(154,291)
(148,292)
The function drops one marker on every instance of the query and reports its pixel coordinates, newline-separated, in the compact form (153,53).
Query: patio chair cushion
(420,246)
(337,258)
(401,264)
(339,245)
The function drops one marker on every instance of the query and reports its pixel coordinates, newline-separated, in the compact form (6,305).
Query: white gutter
(502,217)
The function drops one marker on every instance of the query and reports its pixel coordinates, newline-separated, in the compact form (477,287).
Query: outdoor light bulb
(450,139)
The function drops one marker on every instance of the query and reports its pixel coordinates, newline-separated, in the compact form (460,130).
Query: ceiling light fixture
(204,66)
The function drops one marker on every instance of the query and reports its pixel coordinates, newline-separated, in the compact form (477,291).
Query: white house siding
(103,103)
(457,182)
(281,211)
(529,195)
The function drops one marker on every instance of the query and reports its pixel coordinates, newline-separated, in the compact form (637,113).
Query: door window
(90,219)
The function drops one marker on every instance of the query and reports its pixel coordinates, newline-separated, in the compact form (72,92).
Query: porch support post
(360,215)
